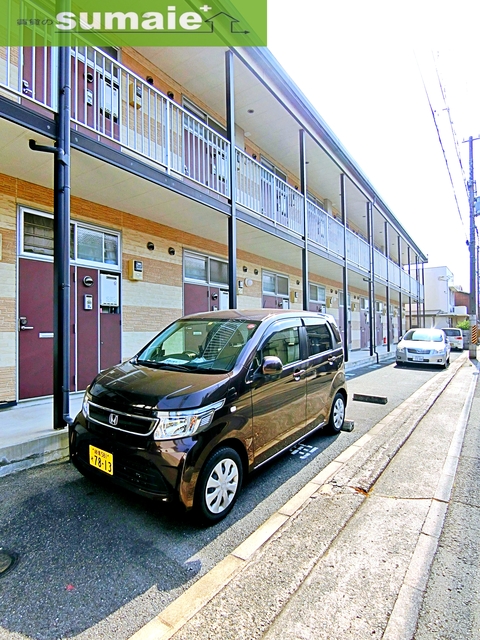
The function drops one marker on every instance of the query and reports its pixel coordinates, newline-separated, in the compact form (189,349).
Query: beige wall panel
(7,384)
(133,341)
(7,314)
(8,212)
(7,348)
(148,294)
(7,280)
(249,302)
(141,319)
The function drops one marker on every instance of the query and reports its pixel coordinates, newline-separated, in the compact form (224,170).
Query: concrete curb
(49,448)
(378,447)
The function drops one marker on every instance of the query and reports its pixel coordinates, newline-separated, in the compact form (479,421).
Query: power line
(454,135)
(443,150)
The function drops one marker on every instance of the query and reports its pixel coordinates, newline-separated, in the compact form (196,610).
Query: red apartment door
(95,337)
(35,324)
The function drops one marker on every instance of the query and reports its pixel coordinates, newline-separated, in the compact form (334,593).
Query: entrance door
(95,335)
(35,341)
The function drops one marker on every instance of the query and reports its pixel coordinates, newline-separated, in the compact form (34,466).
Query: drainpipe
(61,247)
(371,284)
(303,189)
(232,220)
(343,200)
(387,292)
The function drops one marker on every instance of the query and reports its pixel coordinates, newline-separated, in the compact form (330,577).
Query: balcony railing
(112,103)
(324,230)
(357,251)
(259,190)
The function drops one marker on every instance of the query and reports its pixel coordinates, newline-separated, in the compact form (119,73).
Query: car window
(425,336)
(199,344)
(319,339)
(284,344)
(452,332)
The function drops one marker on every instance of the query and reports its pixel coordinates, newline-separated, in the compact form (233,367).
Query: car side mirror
(271,366)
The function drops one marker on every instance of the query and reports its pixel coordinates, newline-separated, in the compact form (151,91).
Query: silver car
(455,337)
(424,346)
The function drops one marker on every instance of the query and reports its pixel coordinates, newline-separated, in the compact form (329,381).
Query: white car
(424,346)
(455,337)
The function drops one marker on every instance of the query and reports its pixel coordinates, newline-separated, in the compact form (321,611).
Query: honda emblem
(113,419)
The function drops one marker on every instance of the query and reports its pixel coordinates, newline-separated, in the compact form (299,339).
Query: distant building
(445,304)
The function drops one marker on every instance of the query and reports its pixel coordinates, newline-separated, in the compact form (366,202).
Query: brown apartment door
(95,336)
(35,326)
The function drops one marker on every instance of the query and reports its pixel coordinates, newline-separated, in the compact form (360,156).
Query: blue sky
(364,65)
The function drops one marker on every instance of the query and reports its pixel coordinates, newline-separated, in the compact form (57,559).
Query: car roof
(258,315)
(431,330)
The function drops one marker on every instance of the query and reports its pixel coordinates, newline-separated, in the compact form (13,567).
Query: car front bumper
(424,358)
(147,470)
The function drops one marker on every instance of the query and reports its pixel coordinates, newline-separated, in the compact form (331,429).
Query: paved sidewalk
(349,556)
(27,437)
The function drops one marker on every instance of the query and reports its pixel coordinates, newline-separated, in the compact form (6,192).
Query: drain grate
(7,561)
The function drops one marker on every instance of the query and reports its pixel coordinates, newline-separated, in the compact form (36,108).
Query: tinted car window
(198,345)
(319,339)
(284,344)
(453,332)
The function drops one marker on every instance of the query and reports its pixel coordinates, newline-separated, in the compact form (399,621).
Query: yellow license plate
(101,459)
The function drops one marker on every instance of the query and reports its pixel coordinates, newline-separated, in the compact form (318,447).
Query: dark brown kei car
(211,398)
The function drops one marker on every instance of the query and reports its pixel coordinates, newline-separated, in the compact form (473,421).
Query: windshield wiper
(154,364)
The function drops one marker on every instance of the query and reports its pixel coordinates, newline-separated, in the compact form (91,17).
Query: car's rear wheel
(218,485)
(337,414)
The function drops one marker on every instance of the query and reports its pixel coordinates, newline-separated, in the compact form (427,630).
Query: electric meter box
(135,270)
(109,290)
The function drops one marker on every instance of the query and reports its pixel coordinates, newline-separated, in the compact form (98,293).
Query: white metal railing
(117,104)
(357,250)
(394,273)
(30,72)
(405,282)
(317,225)
(380,264)
(262,191)
(324,230)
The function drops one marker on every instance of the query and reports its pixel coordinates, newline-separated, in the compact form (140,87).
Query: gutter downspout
(61,249)
(371,284)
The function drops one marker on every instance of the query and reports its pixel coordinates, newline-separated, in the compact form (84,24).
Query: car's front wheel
(218,485)
(337,414)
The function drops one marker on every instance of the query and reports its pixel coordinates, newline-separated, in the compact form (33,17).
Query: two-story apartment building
(162,196)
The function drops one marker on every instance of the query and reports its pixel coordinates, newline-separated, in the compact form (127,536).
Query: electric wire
(454,135)
(432,111)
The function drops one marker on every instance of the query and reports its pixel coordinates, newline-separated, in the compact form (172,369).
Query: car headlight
(181,424)
(440,350)
(400,349)
(86,399)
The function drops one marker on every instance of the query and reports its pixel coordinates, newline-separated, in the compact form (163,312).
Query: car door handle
(297,375)
(332,360)
(24,328)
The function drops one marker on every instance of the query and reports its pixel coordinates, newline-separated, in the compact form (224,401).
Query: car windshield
(202,345)
(424,336)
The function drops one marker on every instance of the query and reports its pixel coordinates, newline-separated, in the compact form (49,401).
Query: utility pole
(473,256)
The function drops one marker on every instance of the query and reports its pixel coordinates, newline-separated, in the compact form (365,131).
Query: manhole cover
(7,561)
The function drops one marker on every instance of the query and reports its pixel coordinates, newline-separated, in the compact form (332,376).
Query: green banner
(120,23)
